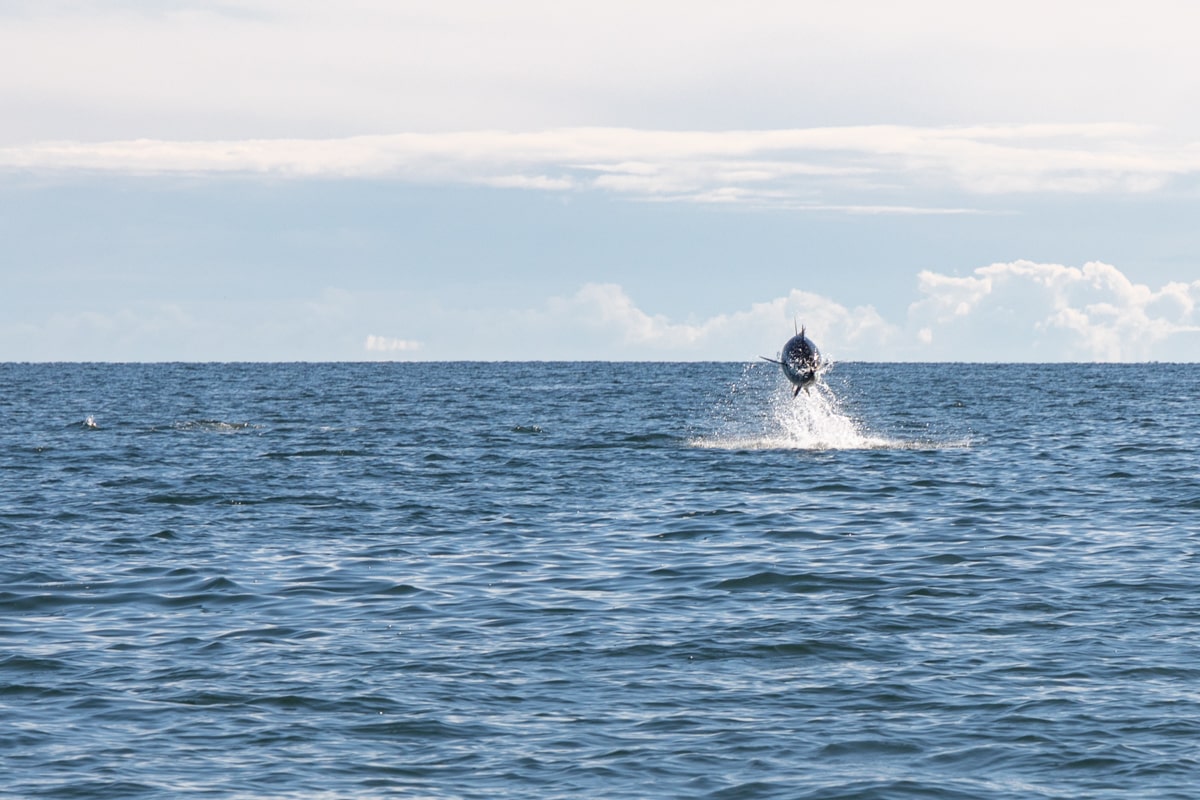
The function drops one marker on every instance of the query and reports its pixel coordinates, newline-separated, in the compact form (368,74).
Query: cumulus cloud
(1014,311)
(1017,311)
(611,318)
(389,345)
(1023,310)
(796,168)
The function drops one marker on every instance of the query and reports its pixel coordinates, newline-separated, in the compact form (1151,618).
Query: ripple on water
(393,583)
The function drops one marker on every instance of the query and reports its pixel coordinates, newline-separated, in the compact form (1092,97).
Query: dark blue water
(599,580)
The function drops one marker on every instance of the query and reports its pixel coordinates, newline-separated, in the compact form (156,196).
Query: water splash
(762,415)
(815,421)
(211,425)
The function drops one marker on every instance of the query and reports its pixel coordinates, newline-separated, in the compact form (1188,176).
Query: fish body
(800,361)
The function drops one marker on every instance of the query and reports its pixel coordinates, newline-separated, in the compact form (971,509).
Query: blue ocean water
(604,580)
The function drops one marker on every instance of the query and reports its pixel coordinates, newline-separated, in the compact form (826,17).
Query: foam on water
(211,425)
(812,420)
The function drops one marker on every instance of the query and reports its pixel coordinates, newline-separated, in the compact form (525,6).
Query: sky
(263,180)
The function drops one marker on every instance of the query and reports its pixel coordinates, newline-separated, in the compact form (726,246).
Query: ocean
(599,580)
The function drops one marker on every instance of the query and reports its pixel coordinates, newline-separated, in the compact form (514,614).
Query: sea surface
(599,580)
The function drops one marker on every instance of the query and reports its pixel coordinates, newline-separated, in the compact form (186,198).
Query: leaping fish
(801,362)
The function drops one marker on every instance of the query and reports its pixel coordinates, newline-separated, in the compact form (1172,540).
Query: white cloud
(311,69)
(325,326)
(543,182)
(1018,311)
(1025,310)
(385,344)
(795,168)
(614,324)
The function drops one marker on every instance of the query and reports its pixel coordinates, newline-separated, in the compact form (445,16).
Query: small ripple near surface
(599,580)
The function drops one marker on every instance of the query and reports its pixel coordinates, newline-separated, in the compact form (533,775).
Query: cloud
(1015,311)
(1023,310)
(846,168)
(1018,311)
(326,326)
(384,344)
(605,316)
(313,68)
